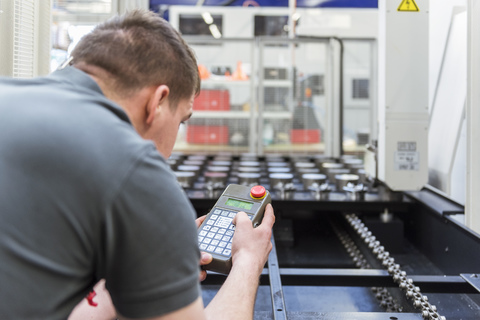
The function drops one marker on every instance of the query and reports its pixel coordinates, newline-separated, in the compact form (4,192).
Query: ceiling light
(215,32)
(207,17)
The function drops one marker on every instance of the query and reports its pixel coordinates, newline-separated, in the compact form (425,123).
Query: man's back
(71,165)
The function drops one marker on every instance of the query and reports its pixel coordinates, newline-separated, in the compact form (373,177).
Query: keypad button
(223,222)
(217,233)
(250,217)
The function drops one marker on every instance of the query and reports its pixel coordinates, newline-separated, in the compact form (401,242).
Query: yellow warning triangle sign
(408,5)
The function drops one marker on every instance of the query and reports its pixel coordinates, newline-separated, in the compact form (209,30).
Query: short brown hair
(141,49)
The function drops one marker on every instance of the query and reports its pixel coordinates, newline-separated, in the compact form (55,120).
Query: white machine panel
(449,107)
(403,95)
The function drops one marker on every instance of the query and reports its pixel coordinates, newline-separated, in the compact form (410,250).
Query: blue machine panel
(273,3)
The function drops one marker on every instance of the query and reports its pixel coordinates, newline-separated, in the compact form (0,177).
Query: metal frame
(473,115)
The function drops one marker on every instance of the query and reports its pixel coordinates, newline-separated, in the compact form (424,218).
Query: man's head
(141,49)
(143,64)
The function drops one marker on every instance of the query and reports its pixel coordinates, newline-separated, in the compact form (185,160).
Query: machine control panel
(216,232)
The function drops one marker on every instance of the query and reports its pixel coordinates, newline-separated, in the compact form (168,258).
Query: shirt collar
(80,79)
(77,77)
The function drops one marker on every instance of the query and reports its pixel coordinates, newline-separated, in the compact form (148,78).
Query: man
(85,195)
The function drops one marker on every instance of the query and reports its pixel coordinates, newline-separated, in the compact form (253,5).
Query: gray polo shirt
(84,197)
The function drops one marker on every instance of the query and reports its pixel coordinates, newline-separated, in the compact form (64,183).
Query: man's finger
(268,217)
(237,216)
(205,258)
(202,276)
(199,221)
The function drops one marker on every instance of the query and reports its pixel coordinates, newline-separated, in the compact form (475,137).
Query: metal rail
(276,291)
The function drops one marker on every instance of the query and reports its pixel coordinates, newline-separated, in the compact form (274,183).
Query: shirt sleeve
(152,256)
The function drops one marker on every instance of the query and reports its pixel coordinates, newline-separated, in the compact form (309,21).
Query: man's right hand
(251,246)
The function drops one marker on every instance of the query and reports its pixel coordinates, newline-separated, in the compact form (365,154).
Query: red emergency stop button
(258,192)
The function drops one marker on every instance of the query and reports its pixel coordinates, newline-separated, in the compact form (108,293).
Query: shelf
(313,148)
(209,148)
(199,114)
(224,82)
(277,115)
(277,83)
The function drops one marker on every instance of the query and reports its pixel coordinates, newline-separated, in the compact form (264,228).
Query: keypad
(217,232)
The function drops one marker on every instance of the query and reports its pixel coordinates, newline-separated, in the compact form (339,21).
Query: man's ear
(158,99)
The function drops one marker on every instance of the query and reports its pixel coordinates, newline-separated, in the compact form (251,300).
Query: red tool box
(207,134)
(305,135)
(218,100)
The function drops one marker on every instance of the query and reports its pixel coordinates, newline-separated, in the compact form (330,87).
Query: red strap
(90,297)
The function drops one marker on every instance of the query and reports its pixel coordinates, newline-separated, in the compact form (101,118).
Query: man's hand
(251,246)
(199,221)
(205,258)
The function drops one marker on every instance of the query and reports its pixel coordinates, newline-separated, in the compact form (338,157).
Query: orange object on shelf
(203,72)
(239,74)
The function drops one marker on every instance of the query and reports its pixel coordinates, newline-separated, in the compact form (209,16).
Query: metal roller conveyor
(400,277)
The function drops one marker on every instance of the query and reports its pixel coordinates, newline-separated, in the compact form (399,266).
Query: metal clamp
(357,192)
(320,191)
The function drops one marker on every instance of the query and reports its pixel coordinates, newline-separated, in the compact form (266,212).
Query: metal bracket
(473,279)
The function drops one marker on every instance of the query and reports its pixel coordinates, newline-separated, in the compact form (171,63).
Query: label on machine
(407,157)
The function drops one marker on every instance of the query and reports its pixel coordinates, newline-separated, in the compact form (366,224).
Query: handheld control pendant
(216,232)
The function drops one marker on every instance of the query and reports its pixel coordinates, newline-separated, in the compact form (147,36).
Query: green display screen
(239,204)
